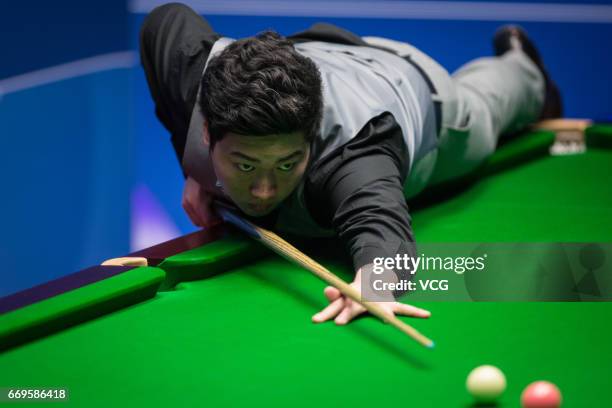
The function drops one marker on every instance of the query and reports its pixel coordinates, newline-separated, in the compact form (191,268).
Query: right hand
(197,203)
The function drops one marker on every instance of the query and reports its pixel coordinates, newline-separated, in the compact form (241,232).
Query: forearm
(362,188)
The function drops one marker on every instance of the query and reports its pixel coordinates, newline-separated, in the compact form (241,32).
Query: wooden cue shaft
(288,251)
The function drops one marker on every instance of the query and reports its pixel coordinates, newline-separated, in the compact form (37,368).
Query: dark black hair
(261,86)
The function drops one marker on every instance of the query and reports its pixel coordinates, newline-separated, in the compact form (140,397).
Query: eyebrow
(282,159)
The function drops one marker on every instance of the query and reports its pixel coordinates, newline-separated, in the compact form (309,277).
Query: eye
(245,167)
(286,166)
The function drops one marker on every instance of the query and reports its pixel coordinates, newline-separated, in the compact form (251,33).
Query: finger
(347,314)
(351,310)
(409,310)
(330,311)
(205,215)
(186,201)
(211,218)
(331,293)
(192,215)
(195,217)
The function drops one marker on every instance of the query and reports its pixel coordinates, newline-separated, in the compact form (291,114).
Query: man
(327,133)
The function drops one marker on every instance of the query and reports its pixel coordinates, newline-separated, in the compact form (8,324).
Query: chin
(254,212)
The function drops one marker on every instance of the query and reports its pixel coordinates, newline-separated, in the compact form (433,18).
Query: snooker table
(227,323)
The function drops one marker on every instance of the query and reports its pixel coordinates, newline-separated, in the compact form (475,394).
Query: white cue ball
(486,383)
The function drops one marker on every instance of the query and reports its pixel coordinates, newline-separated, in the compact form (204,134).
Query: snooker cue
(291,253)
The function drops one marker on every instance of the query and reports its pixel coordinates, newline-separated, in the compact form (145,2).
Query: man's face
(259,172)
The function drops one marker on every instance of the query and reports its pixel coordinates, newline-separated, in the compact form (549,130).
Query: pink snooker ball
(541,394)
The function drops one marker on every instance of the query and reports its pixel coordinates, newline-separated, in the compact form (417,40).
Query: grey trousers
(480,101)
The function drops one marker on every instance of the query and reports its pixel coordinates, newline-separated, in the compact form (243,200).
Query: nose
(264,188)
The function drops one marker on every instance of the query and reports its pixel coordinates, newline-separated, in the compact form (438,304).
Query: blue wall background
(65,134)
(39,34)
(88,172)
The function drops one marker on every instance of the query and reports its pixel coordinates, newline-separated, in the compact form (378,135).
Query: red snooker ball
(541,394)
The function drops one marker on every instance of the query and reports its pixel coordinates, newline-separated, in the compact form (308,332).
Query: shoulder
(164,15)
(168,24)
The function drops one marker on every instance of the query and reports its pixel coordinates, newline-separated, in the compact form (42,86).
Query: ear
(206,134)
